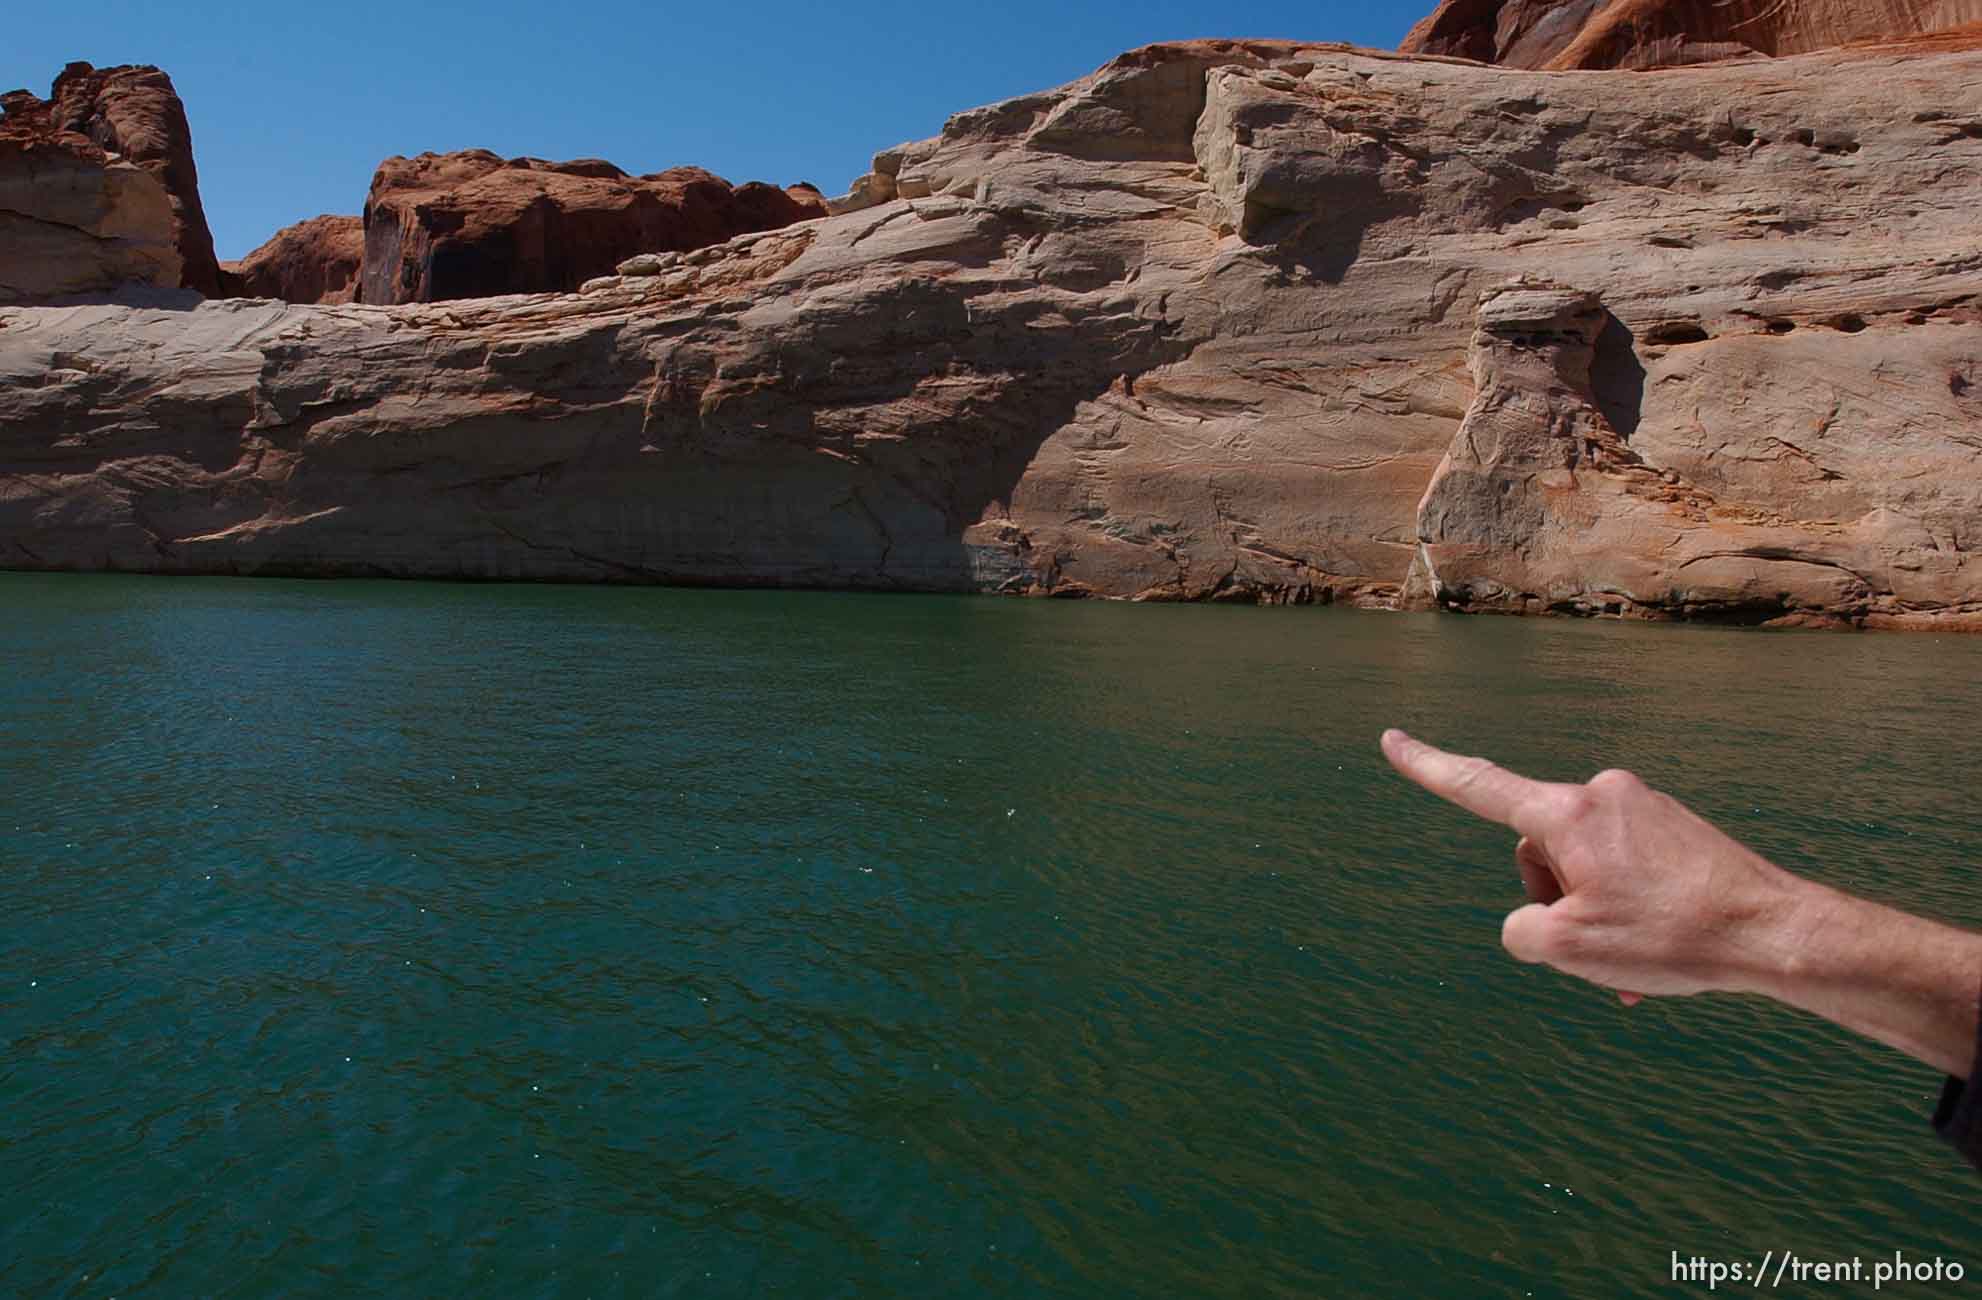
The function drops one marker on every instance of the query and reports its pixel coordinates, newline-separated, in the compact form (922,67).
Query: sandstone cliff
(318,260)
(472,224)
(1568,34)
(73,219)
(133,116)
(1223,320)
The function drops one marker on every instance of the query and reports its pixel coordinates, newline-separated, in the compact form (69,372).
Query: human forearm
(1908,982)
(1630,890)
(1633,891)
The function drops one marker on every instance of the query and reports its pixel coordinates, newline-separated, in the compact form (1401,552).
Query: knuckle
(1615,780)
(1575,803)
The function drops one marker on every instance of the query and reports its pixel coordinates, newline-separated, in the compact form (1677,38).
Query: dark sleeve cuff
(1958,1117)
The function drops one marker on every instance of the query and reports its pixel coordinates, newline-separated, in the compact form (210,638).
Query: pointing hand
(1629,889)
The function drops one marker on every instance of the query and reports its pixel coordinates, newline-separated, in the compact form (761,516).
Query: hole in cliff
(1677,331)
(1973,130)
(1849,323)
(1958,385)
(1743,136)
(1803,137)
(1780,326)
(1574,205)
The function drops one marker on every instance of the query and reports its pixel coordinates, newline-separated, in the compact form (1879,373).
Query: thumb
(1529,932)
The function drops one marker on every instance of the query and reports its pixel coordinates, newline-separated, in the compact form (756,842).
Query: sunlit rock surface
(318,260)
(1565,34)
(98,188)
(475,225)
(1206,324)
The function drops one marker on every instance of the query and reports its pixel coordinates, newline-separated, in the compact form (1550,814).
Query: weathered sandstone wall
(475,225)
(102,122)
(1565,34)
(1223,320)
(318,260)
(74,220)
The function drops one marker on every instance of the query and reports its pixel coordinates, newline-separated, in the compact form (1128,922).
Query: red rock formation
(73,219)
(312,261)
(1224,320)
(469,225)
(135,113)
(1567,34)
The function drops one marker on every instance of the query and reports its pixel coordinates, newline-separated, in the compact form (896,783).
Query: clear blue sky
(293,104)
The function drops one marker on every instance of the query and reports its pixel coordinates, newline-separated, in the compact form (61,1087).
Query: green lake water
(450,940)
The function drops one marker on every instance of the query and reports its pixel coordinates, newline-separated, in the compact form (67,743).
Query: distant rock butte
(1241,320)
(472,224)
(97,122)
(318,260)
(74,220)
(1570,34)
(97,188)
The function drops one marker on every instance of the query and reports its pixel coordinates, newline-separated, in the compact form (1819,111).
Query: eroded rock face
(132,115)
(472,224)
(1541,505)
(1207,324)
(318,260)
(73,219)
(1567,34)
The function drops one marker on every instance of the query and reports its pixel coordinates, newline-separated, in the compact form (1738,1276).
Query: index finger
(1478,786)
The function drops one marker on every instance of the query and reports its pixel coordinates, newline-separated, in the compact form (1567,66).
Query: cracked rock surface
(1564,34)
(1224,320)
(98,187)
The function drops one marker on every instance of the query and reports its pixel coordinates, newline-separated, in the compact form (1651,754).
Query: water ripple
(420,939)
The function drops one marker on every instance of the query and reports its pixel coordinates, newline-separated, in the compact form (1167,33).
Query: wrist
(1906,981)
(1775,936)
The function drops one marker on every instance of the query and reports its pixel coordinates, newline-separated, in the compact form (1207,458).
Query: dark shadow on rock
(887,512)
(1617,379)
(858,447)
(1331,261)
(1324,251)
(128,295)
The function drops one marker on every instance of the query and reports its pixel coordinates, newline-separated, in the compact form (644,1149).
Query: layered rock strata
(1568,34)
(129,117)
(1224,320)
(74,219)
